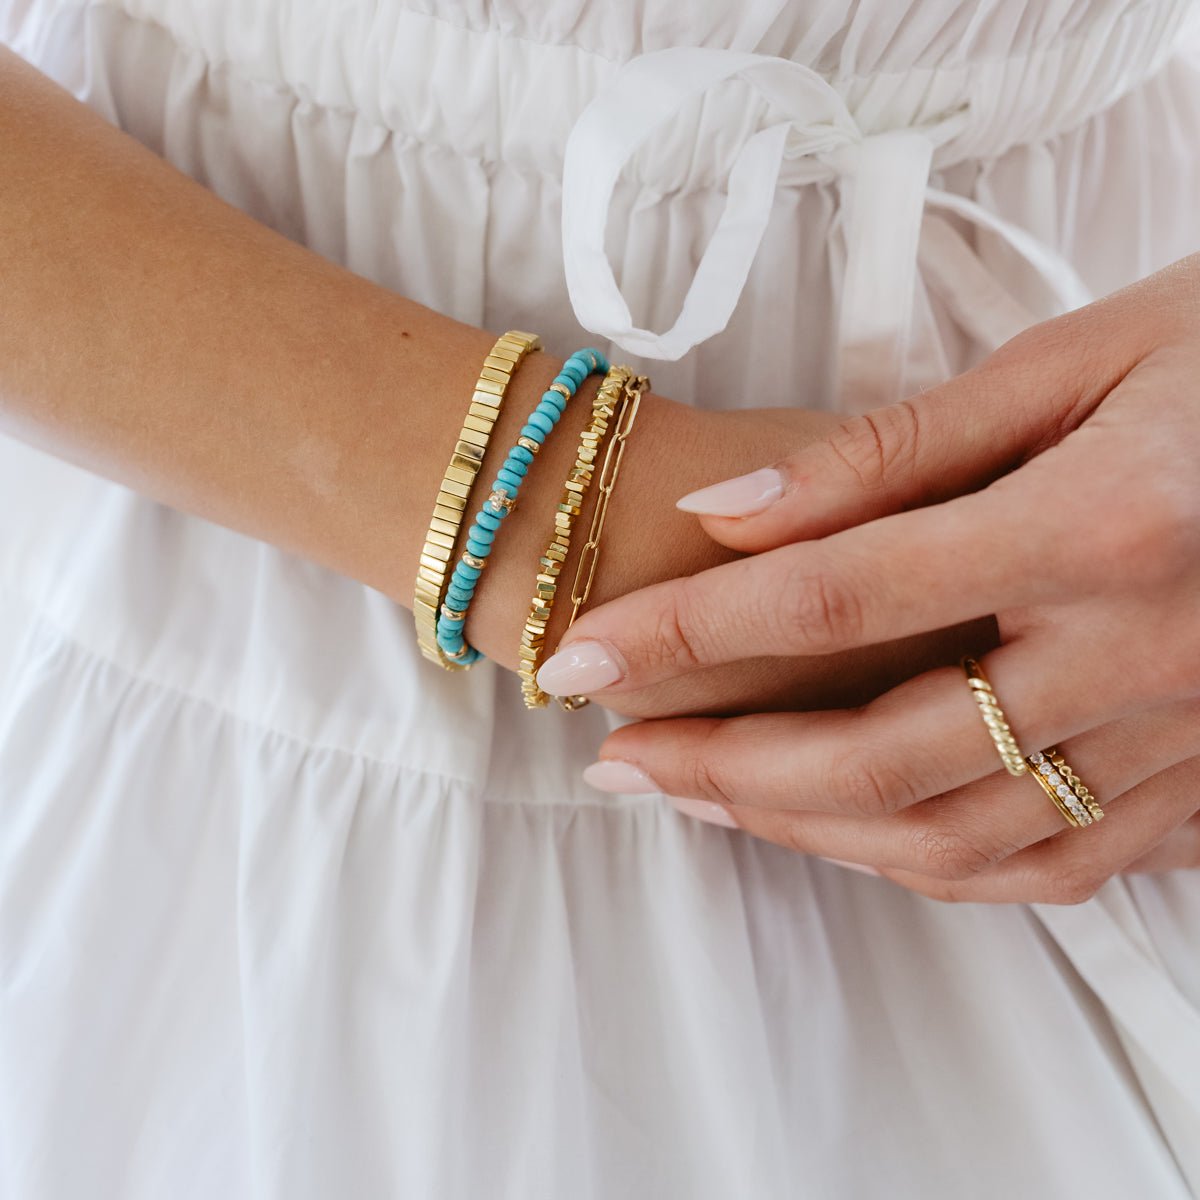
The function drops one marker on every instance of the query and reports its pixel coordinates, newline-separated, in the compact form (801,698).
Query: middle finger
(921,739)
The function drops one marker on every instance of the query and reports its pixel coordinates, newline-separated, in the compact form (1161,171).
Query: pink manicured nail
(837,862)
(616,775)
(740,497)
(703,810)
(581,667)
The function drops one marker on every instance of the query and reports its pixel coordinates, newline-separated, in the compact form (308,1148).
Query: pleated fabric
(287,913)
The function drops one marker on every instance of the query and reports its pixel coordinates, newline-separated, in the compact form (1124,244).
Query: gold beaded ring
(533,637)
(1069,793)
(433,574)
(994,719)
(1061,795)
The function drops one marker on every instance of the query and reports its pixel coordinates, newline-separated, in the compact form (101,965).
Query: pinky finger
(1074,864)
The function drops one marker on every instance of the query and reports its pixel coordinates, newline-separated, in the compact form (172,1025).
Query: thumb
(945,442)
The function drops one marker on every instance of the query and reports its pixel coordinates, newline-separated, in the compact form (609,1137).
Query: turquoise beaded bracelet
(499,504)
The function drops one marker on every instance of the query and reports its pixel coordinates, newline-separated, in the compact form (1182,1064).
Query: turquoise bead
(539,420)
(508,481)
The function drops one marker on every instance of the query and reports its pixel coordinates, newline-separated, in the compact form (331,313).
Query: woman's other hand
(1056,486)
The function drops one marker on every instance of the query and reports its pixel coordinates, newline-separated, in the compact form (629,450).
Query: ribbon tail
(883,183)
(1061,277)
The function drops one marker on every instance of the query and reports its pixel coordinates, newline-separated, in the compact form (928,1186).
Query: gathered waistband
(503,94)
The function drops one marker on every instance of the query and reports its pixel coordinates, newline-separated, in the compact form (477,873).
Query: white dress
(287,913)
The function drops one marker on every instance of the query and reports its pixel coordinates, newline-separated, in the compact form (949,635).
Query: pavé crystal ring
(994,719)
(1077,805)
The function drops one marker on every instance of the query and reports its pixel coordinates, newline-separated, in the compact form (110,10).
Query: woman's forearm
(156,335)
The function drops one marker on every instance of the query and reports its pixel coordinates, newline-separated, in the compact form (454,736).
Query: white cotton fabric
(287,913)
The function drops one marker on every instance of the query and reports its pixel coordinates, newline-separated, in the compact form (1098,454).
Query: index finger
(893,577)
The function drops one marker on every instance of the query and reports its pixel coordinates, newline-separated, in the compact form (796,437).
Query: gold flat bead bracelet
(433,573)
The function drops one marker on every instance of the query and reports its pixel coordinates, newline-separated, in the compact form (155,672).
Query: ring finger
(921,739)
(970,829)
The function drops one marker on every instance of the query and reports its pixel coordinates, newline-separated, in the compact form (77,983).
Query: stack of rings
(1064,787)
(1048,767)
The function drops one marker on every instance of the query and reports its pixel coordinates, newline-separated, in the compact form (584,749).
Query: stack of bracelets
(443,595)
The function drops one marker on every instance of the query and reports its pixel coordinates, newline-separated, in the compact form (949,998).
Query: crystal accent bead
(1045,768)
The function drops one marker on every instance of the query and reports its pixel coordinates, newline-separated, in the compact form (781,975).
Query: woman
(288,911)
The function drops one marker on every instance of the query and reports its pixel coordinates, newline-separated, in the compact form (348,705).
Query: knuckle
(712,781)
(946,851)
(1072,885)
(672,645)
(791,835)
(1147,538)
(1147,517)
(819,610)
(945,891)
(867,788)
(873,447)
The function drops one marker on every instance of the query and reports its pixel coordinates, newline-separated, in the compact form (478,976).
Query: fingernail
(740,497)
(837,862)
(616,775)
(580,667)
(703,810)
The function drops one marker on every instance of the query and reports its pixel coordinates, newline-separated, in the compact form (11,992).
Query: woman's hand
(1057,486)
(673,449)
